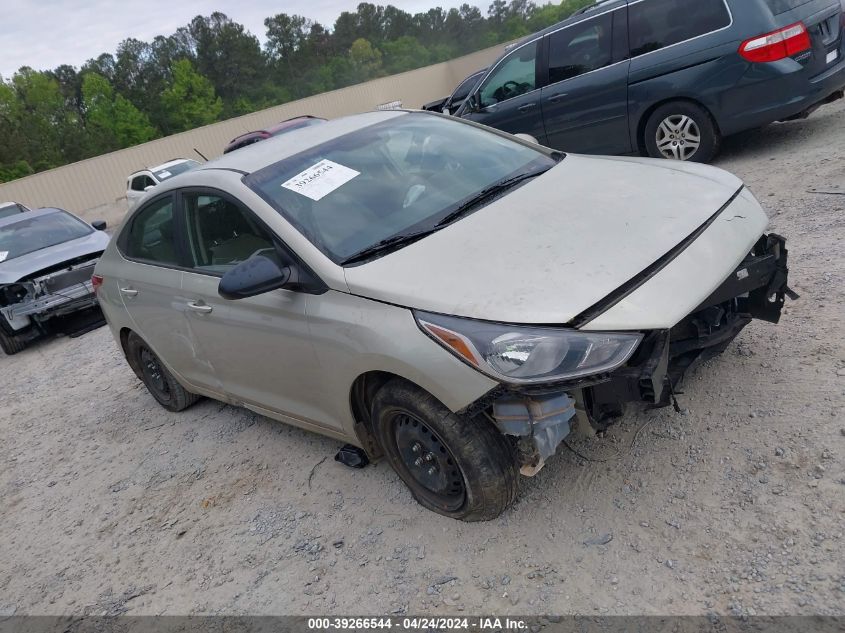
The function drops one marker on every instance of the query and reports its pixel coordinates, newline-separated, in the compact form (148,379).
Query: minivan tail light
(96,282)
(777,45)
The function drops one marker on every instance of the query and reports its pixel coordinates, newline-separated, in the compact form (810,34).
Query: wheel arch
(646,115)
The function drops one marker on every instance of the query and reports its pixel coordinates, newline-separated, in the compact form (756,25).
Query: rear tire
(12,343)
(681,130)
(156,377)
(466,468)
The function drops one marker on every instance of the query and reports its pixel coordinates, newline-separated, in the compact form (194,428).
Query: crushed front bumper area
(540,418)
(51,295)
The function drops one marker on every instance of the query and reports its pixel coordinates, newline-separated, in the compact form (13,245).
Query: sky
(44,34)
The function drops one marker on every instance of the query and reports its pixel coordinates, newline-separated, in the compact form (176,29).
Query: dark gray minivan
(666,78)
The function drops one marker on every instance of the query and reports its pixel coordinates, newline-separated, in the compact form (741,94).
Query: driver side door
(509,97)
(258,347)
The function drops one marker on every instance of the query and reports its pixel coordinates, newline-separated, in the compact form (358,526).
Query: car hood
(13,270)
(554,247)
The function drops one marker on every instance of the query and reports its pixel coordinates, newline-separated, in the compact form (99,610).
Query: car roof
(35,213)
(259,155)
(170,163)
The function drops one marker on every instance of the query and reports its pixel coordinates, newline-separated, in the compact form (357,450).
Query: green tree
(112,121)
(365,60)
(190,100)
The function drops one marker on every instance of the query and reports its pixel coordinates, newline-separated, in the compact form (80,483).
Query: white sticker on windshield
(321,179)
(164,174)
(3,255)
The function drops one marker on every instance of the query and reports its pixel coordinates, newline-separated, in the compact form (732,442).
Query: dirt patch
(735,506)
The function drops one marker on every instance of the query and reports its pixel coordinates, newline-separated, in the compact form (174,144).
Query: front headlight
(525,354)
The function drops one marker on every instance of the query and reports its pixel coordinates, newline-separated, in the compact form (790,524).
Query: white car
(139,183)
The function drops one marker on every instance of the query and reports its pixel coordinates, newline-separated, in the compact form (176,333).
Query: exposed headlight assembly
(523,354)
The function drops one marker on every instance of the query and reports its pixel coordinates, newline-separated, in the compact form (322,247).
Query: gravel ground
(735,506)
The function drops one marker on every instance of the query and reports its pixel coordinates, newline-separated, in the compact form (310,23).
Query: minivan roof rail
(596,5)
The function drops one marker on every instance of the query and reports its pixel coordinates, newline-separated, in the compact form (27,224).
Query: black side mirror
(255,276)
(472,103)
(100,225)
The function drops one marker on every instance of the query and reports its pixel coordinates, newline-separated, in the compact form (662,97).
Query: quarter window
(581,48)
(151,236)
(220,233)
(656,24)
(513,77)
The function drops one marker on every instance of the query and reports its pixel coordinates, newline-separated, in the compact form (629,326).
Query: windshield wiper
(489,192)
(387,245)
(392,243)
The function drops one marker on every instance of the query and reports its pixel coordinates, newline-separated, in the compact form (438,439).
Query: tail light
(777,45)
(96,282)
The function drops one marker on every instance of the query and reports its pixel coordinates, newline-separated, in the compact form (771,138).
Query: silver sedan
(436,293)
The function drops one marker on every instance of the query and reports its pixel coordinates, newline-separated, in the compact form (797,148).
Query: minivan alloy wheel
(678,137)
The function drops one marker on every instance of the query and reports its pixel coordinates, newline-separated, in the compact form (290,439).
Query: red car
(259,135)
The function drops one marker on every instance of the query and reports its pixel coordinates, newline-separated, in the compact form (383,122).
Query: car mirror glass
(100,225)
(255,276)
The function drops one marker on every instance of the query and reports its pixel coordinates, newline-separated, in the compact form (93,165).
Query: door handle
(129,292)
(199,307)
(527,107)
(558,97)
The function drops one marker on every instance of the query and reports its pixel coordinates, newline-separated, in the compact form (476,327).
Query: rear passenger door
(149,280)
(585,100)
(509,99)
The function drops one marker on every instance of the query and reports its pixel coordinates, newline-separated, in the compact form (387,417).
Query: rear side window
(782,6)
(151,236)
(656,24)
(581,48)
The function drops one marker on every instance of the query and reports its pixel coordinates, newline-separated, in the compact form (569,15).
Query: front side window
(151,235)
(515,76)
(396,177)
(31,234)
(656,24)
(220,233)
(581,48)
(140,183)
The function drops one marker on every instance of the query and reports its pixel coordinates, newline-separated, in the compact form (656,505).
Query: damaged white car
(436,293)
(47,257)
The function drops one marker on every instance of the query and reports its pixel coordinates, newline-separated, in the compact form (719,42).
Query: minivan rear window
(782,6)
(656,24)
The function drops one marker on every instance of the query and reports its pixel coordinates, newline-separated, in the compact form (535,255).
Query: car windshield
(175,170)
(394,178)
(34,233)
(462,91)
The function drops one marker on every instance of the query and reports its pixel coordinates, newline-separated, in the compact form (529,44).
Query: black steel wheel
(462,468)
(161,384)
(427,460)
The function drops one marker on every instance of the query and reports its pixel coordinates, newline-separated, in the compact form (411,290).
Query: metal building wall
(101,180)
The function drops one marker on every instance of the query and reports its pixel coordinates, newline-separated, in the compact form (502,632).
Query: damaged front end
(540,416)
(27,304)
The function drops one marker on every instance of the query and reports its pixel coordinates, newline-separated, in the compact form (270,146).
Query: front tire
(681,130)
(156,377)
(462,468)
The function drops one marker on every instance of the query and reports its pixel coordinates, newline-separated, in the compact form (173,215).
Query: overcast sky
(46,33)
